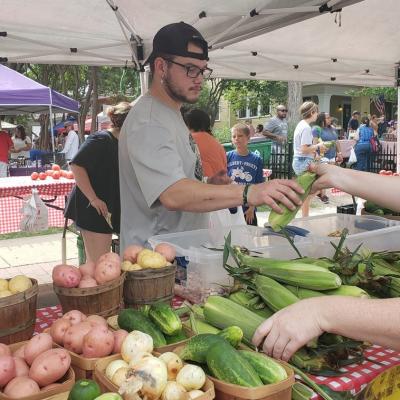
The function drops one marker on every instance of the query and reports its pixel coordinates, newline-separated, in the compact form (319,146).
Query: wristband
(245,192)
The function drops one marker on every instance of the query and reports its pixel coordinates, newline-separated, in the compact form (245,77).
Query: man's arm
(271,135)
(375,321)
(194,196)
(68,144)
(382,190)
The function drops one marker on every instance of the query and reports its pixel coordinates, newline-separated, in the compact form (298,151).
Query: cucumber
(197,346)
(227,364)
(165,318)
(133,320)
(178,337)
(267,368)
(232,334)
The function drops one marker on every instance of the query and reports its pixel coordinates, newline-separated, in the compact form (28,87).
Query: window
(253,111)
(242,113)
(218,114)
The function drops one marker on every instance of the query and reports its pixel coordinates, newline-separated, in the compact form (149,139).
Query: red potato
(20,387)
(74,317)
(119,337)
(99,342)
(7,370)
(21,367)
(51,386)
(95,320)
(131,252)
(73,338)
(37,345)
(58,329)
(87,282)
(110,257)
(87,268)
(66,276)
(4,350)
(50,366)
(166,250)
(107,270)
(20,352)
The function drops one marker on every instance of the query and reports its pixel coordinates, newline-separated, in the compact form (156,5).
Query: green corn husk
(348,290)
(273,293)
(279,221)
(302,293)
(301,392)
(309,363)
(244,299)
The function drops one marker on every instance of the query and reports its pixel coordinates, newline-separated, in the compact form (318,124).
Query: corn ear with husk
(348,290)
(279,221)
(302,293)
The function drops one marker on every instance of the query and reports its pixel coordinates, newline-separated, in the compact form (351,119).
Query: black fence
(280,161)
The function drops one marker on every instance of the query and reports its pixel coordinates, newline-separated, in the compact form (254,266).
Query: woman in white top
(22,143)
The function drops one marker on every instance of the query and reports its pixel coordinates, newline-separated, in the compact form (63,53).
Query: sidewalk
(36,256)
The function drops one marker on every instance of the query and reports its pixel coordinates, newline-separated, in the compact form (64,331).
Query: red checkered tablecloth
(22,186)
(354,378)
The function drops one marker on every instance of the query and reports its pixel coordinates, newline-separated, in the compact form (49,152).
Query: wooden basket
(149,286)
(18,315)
(104,300)
(67,381)
(107,386)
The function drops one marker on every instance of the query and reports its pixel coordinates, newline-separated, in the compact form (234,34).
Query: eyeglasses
(192,71)
(283,110)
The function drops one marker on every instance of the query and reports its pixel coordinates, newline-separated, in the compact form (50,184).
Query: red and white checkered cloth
(22,186)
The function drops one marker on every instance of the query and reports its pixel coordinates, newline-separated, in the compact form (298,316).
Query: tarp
(112,32)
(20,94)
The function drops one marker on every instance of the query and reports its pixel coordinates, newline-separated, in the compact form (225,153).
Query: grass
(17,235)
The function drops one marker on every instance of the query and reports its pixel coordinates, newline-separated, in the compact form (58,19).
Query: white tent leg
(398,131)
(51,134)
(144,80)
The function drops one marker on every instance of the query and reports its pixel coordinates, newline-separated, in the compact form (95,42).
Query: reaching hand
(327,175)
(100,206)
(290,328)
(277,191)
(249,215)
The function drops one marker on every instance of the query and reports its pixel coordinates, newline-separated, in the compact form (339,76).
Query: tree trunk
(95,98)
(295,99)
(85,104)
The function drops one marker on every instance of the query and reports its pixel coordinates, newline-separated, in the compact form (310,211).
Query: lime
(84,389)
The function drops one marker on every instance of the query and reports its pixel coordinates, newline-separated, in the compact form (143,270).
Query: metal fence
(280,161)
(383,160)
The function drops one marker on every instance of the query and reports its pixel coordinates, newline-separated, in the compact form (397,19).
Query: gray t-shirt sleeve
(272,126)
(155,160)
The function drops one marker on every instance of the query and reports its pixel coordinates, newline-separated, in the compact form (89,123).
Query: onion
(191,377)
(174,391)
(134,343)
(174,364)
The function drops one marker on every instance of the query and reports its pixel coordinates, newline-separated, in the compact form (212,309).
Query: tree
(295,99)
(390,93)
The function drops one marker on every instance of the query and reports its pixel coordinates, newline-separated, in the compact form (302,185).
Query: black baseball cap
(174,39)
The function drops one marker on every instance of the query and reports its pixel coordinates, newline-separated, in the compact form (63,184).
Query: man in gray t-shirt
(276,128)
(160,172)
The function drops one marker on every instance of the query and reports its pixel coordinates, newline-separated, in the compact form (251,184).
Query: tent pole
(144,80)
(398,131)
(51,133)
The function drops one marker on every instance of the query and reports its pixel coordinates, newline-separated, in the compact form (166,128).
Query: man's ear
(160,67)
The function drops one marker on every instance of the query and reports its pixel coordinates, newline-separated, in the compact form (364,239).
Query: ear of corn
(273,293)
(301,392)
(294,272)
(302,293)
(243,298)
(348,290)
(279,221)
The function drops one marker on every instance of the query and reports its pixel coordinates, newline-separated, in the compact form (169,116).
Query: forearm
(83,182)
(309,149)
(383,190)
(193,196)
(375,321)
(270,135)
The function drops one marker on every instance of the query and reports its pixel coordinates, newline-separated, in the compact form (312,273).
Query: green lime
(84,389)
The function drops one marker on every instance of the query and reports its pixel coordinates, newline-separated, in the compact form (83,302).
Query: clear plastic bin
(199,255)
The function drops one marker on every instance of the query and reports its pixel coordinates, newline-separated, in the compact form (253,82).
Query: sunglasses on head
(282,110)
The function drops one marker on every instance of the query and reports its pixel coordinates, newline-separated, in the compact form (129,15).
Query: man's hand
(280,139)
(276,191)
(249,215)
(220,178)
(290,328)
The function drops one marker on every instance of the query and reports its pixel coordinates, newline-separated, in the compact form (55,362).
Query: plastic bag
(34,214)
(353,157)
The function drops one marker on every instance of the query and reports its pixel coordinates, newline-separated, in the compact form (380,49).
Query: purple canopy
(19,95)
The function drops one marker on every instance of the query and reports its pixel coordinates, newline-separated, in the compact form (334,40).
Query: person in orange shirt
(212,154)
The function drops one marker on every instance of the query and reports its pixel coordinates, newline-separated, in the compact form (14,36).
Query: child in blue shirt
(244,166)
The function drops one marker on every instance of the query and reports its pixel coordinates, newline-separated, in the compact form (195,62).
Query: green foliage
(239,92)
(223,134)
(390,93)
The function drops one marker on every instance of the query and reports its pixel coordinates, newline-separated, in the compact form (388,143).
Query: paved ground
(36,256)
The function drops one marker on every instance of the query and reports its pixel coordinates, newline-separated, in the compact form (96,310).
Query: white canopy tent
(299,40)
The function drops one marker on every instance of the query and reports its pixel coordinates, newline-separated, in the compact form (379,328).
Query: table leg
(64,243)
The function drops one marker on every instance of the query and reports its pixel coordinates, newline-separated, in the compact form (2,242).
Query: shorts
(301,164)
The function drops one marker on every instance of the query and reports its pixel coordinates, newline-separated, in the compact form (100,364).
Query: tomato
(49,172)
(382,172)
(70,175)
(389,173)
(42,176)
(63,173)
(396,174)
(34,176)
(56,175)
(55,167)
